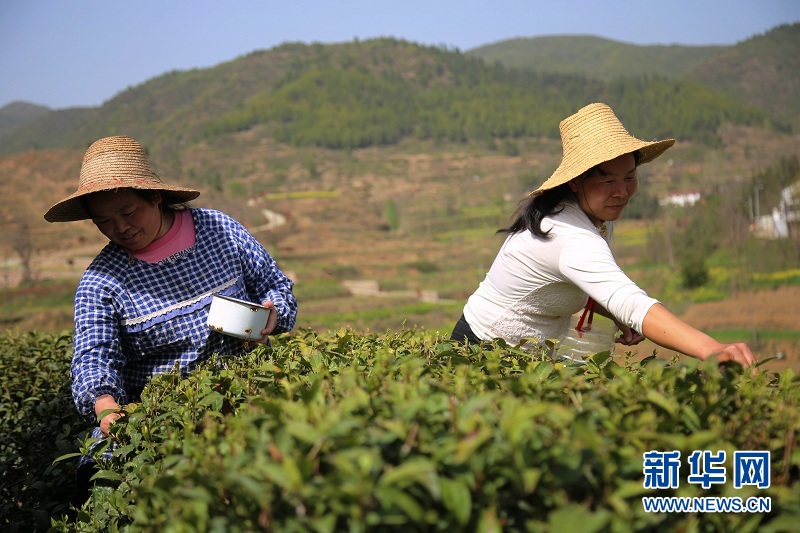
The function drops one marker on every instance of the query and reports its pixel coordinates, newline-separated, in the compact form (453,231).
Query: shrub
(38,423)
(694,273)
(403,431)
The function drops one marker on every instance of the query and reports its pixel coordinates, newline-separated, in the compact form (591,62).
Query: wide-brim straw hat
(593,136)
(115,163)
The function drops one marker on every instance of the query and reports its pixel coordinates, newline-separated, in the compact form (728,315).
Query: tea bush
(38,423)
(406,431)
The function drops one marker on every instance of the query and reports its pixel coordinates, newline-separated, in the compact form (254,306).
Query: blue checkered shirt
(134,319)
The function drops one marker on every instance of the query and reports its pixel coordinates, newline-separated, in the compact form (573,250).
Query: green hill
(595,57)
(376,92)
(18,114)
(762,71)
(379,91)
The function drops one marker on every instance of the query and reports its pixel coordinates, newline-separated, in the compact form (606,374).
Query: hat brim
(577,164)
(71,208)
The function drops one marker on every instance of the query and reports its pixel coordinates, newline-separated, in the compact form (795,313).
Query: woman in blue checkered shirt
(142,304)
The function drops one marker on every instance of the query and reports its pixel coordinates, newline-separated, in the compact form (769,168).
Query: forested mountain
(595,57)
(762,71)
(375,93)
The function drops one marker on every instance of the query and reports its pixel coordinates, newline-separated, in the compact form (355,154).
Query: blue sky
(65,53)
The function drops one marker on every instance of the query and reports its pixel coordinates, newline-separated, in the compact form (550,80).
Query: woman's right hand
(105,403)
(738,352)
(106,421)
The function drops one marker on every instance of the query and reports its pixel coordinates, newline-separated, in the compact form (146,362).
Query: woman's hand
(628,336)
(106,421)
(107,402)
(272,321)
(738,352)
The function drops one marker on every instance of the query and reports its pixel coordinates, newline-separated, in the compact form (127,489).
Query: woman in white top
(556,259)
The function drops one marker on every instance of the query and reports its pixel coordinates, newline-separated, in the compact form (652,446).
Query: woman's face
(604,194)
(125,217)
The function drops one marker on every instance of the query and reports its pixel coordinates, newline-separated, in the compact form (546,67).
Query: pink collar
(179,237)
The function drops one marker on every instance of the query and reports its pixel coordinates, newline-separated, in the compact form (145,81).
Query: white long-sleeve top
(535,285)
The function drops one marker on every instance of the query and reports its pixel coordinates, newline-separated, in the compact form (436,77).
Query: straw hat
(592,136)
(115,163)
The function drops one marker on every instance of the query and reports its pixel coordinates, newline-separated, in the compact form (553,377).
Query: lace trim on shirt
(174,307)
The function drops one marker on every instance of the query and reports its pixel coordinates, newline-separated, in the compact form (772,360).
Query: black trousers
(463,333)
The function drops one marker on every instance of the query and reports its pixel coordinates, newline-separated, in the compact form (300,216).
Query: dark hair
(533,209)
(167,200)
(145,194)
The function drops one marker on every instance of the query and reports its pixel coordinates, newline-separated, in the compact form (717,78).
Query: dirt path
(273,220)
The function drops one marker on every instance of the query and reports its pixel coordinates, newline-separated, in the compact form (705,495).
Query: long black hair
(532,210)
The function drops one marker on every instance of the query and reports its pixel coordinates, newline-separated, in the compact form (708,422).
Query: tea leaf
(457,499)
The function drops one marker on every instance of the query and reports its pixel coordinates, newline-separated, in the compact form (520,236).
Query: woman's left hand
(272,321)
(628,336)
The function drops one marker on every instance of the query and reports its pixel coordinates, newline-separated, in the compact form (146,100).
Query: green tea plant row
(406,431)
(38,423)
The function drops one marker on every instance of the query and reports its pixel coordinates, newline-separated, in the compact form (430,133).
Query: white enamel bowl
(237,318)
